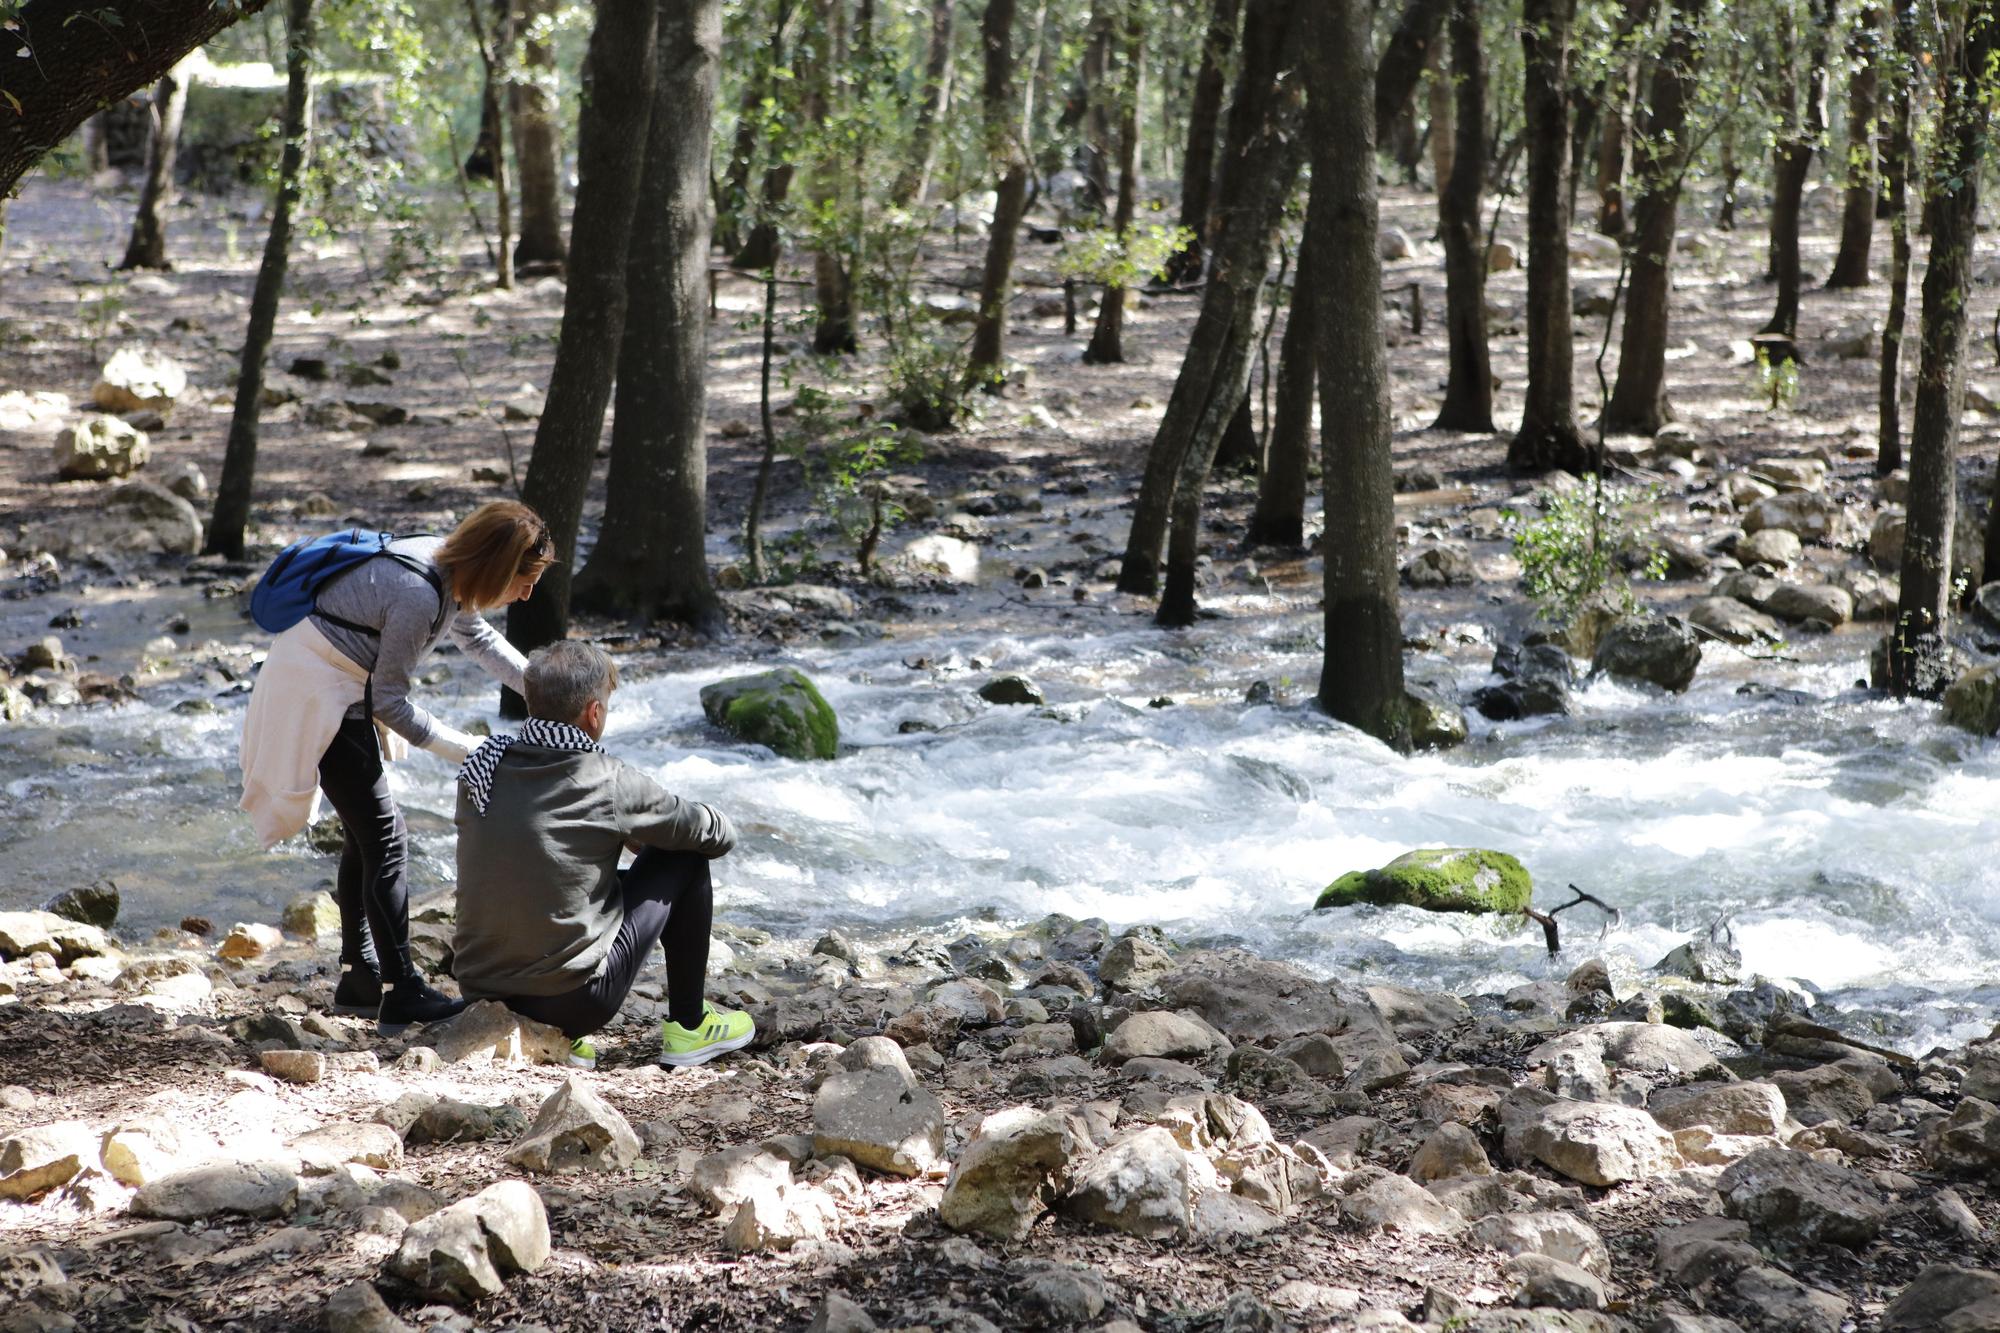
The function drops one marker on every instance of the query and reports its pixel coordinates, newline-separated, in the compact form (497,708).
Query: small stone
(1162,1035)
(1451,1150)
(1796,1199)
(332,1146)
(294,1066)
(1133,963)
(312,915)
(880,1121)
(250,939)
(1010,1173)
(576,1128)
(359,1308)
(462,1253)
(1140,1185)
(253,1189)
(1553,1284)
(1012,689)
(778,1219)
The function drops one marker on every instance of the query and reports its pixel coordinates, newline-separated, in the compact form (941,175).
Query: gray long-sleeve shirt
(402,604)
(539,903)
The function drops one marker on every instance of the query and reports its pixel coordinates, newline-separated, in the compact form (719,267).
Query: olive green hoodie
(538,895)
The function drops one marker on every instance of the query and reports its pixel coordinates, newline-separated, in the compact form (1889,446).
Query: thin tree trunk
(148,246)
(837,191)
(986,365)
(1280,516)
(493,54)
(1361,676)
(617,100)
(1198,163)
(1468,394)
(1107,339)
(1260,164)
(1087,112)
(1548,437)
(761,248)
(651,557)
(1857,213)
(1617,96)
(1638,403)
(913,184)
(1443,139)
(1919,659)
(239,460)
(1791,160)
(531,102)
(1898,154)
(1404,56)
(1732,172)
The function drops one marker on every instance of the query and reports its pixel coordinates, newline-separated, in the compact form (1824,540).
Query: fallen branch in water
(1552,931)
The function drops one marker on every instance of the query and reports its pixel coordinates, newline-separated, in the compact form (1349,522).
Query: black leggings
(371,889)
(669,901)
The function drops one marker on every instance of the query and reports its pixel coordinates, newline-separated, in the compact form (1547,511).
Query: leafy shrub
(1583,543)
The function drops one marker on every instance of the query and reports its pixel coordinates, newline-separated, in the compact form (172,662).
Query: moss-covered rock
(1439,879)
(782,709)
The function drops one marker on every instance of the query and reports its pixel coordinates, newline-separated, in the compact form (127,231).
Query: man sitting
(547,922)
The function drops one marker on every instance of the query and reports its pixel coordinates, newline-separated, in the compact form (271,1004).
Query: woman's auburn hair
(497,543)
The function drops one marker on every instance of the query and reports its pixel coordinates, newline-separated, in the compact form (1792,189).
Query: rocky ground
(1045,1127)
(1038,1127)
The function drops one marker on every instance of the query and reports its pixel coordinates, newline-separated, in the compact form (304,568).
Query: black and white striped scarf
(477,771)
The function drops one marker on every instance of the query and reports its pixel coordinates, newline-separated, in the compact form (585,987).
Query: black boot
(411,1001)
(359,991)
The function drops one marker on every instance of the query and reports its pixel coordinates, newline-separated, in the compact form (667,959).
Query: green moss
(782,709)
(1439,879)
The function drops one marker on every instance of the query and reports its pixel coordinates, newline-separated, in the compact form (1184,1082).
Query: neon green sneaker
(582,1054)
(721,1030)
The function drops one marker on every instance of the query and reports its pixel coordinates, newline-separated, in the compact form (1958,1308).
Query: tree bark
(1443,139)
(1468,394)
(1919,660)
(835,184)
(531,100)
(493,54)
(1260,165)
(651,559)
(619,71)
(239,460)
(1732,172)
(1280,516)
(760,250)
(1404,56)
(1198,163)
(1638,404)
(1107,339)
(1361,676)
(1548,437)
(1897,157)
(1088,110)
(1857,213)
(913,184)
(1617,96)
(75,66)
(148,246)
(1791,159)
(986,365)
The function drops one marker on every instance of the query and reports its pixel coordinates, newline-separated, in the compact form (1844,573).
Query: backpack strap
(408,562)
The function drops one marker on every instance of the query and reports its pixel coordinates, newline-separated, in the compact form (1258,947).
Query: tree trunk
(1617,97)
(1361,676)
(1857,213)
(1548,437)
(1198,163)
(1087,112)
(493,54)
(913,184)
(1404,56)
(239,460)
(1898,155)
(1443,140)
(1009,156)
(531,101)
(834,182)
(1638,404)
(761,248)
(148,246)
(72,69)
(1260,164)
(757,85)
(1280,516)
(1919,660)
(651,558)
(619,70)
(1732,172)
(1791,159)
(1468,394)
(1107,339)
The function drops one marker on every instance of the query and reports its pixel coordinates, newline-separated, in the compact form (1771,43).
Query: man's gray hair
(564,677)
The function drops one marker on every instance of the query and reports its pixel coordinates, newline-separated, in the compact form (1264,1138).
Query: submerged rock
(781,709)
(1439,879)
(1659,650)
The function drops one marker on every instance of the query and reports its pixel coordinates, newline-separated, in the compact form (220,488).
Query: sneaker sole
(689,1059)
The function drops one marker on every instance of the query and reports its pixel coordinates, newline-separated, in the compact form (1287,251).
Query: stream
(1850,842)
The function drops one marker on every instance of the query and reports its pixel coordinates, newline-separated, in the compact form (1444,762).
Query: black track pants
(372,890)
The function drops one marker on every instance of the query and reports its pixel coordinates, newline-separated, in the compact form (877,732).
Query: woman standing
(332,704)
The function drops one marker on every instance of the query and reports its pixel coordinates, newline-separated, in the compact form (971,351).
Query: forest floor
(633,1249)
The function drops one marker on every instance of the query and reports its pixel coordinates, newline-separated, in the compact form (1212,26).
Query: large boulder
(1161,1035)
(781,709)
(576,1128)
(1797,602)
(1599,1143)
(1141,1184)
(138,518)
(1794,1199)
(252,1189)
(877,1120)
(1972,702)
(1439,879)
(1013,1169)
(1809,514)
(1734,622)
(1658,650)
(139,379)
(1729,1108)
(98,448)
(1937,1294)
(463,1253)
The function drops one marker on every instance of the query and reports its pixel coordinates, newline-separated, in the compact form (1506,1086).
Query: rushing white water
(1850,840)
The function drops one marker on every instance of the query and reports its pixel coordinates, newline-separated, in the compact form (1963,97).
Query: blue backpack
(286,593)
